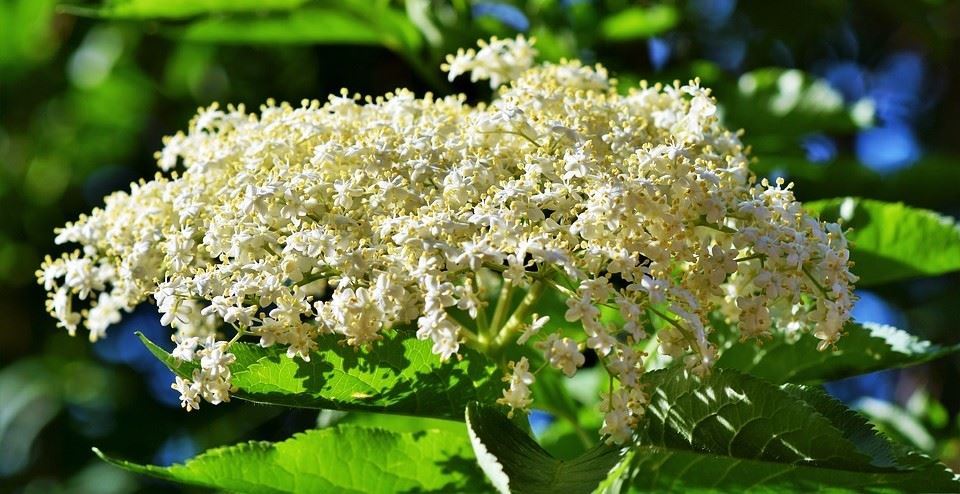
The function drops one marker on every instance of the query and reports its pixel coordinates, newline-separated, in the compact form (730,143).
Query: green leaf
(514,462)
(315,25)
(402,423)
(863,348)
(639,22)
(274,21)
(310,26)
(180,9)
(743,417)
(336,459)
(399,375)
(733,432)
(664,470)
(891,241)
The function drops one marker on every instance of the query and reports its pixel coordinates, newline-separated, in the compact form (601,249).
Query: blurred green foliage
(88,89)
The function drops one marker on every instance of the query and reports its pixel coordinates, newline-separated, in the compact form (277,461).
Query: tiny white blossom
(517,395)
(562,353)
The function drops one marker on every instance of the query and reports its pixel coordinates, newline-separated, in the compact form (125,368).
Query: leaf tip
(100,454)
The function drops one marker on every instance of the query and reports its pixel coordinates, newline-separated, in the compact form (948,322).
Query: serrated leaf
(399,375)
(733,432)
(336,459)
(514,462)
(891,241)
(653,469)
(744,417)
(862,349)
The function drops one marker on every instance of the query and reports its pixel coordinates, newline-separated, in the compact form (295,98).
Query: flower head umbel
(358,215)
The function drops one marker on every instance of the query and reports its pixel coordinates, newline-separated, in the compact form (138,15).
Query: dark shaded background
(84,102)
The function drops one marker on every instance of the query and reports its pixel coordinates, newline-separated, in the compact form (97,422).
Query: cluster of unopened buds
(363,215)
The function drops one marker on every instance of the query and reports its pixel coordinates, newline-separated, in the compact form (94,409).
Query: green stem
(691,340)
(483,326)
(651,349)
(503,303)
(750,258)
(310,278)
(816,283)
(513,132)
(516,320)
(719,228)
(240,333)
(470,338)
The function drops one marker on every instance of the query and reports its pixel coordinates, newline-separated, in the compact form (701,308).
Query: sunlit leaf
(309,26)
(891,241)
(179,9)
(336,459)
(399,375)
(733,432)
(639,22)
(864,348)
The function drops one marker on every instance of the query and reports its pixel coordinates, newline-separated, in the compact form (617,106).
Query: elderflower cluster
(211,380)
(361,216)
(500,61)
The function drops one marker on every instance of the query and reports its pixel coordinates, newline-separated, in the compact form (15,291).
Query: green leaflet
(864,348)
(514,462)
(356,22)
(337,25)
(314,25)
(338,459)
(891,241)
(179,9)
(733,432)
(663,470)
(639,22)
(743,417)
(399,375)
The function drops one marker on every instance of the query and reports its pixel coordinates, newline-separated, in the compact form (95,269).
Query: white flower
(533,328)
(214,359)
(581,308)
(189,393)
(655,289)
(517,395)
(500,60)
(562,353)
(186,347)
(100,316)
